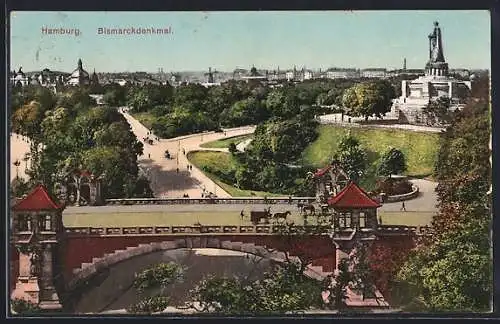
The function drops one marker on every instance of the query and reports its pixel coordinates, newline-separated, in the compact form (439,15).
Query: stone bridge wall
(80,249)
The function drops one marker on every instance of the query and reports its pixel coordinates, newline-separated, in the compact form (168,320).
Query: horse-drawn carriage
(257,215)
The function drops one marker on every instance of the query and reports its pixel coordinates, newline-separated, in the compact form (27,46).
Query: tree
(138,99)
(352,157)
(438,112)
(368,99)
(157,276)
(453,271)
(392,162)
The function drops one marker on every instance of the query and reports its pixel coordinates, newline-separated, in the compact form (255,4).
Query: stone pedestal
(37,289)
(27,288)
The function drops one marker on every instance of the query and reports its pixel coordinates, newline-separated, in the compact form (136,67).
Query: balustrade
(226,229)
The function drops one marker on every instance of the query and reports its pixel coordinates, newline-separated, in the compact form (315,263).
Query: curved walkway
(171,178)
(426,200)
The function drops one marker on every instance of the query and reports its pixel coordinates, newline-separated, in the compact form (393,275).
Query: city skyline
(266,40)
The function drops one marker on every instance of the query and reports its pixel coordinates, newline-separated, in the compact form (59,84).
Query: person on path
(149,155)
(183,151)
(177,170)
(242,214)
(403,207)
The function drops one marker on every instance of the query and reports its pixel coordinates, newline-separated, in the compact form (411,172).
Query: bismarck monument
(436,83)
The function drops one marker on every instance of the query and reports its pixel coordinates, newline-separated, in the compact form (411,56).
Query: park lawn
(224,143)
(420,149)
(222,161)
(214,218)
(145,118)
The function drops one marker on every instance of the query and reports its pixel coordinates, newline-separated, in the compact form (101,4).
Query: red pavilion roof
(352,196)
(38,199)
(321,172)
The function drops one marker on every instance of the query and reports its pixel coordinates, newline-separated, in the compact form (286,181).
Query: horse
(282,215)
(300,206)
(311,209)
(256,215)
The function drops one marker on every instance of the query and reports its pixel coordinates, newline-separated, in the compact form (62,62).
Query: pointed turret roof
(321,172)
(352,196)
(38,199)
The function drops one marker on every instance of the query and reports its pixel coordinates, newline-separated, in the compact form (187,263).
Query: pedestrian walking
(149,155)
(183,151)
(403,207)
(241,214)
(177,170)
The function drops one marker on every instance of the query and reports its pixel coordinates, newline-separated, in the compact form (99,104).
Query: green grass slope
(222,161)
(420,149)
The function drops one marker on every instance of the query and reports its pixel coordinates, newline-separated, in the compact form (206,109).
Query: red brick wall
(78,250)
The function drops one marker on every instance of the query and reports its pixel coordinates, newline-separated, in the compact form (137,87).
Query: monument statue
(435,45)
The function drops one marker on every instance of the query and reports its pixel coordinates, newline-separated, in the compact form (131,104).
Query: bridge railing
(229,229)
(191,201)
(402,229)
(195,229)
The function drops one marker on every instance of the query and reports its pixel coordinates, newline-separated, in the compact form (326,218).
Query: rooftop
(38,199)
(352,196)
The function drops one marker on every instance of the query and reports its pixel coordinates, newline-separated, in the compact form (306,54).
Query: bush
(392,186)
(149,305)
(161,275)
(24,307)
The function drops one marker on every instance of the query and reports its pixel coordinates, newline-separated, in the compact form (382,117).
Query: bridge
(52,262)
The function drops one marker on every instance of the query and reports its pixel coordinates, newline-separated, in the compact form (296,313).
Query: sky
(265,39)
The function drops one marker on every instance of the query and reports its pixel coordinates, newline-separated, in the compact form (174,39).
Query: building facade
(435,83)
(374,73)
(342,73)
(79,76)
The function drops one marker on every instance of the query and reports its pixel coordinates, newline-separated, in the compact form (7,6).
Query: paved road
(177,208)
(19,146)
(425,202)
(171,178)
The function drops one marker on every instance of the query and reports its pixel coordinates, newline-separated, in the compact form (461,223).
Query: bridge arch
(88,270)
